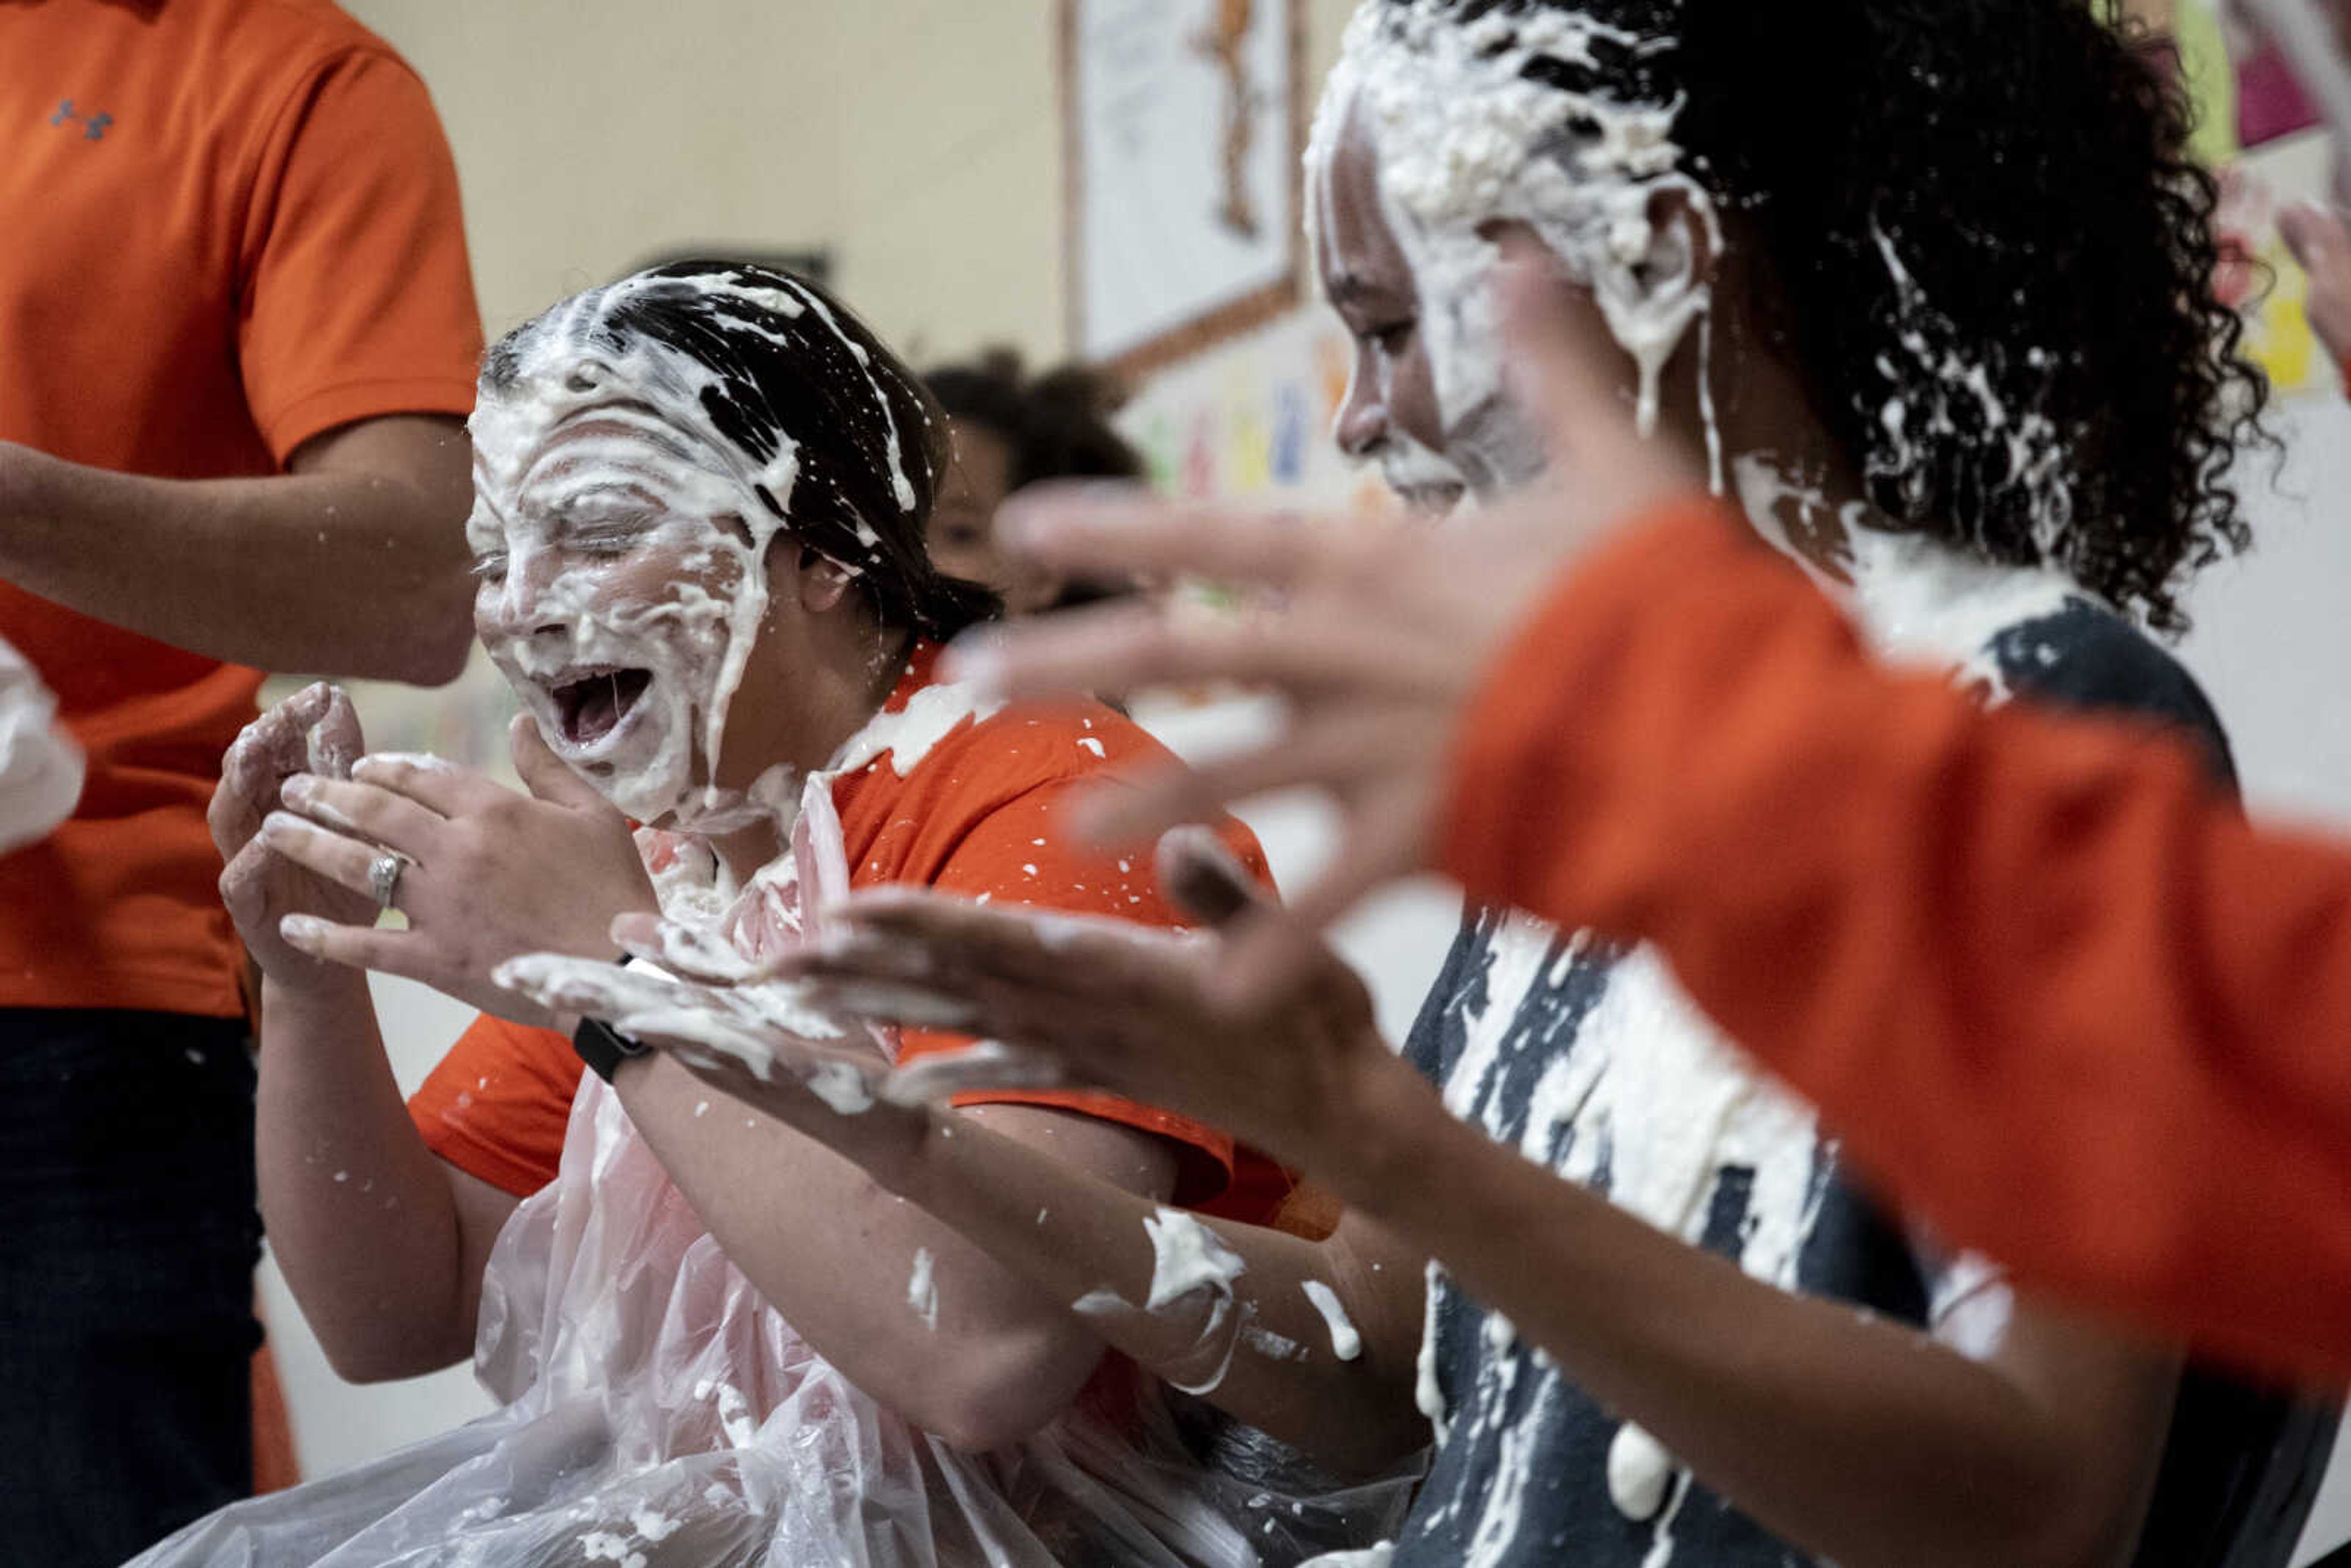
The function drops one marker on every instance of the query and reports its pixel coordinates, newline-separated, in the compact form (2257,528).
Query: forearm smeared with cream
(1311,1340)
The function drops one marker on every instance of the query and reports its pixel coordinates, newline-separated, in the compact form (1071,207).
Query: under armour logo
(93,125)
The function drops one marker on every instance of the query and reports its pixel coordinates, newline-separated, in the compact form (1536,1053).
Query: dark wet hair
(1056,424)
(2026,161)
(818,380)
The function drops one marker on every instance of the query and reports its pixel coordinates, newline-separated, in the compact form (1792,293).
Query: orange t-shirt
(233,226)
(979,815)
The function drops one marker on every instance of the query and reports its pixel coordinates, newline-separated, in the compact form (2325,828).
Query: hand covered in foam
(1385,634)
(314,732)
(772,1043)
(1129,1008)
(765,1031)
(490,873)
(766,1044)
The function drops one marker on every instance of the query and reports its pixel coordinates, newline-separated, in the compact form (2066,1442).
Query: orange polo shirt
(233,226)
(979,815)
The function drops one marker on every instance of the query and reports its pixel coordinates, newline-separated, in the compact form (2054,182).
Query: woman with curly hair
(1928,287)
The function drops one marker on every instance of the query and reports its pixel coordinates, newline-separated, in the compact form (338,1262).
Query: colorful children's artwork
(1251,420)
(1253,416)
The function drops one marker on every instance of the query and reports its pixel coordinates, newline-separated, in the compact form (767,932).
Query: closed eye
(606,539)
(493,564)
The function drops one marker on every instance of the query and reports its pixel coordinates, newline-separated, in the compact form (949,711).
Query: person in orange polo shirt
(237,334)
(734,1334)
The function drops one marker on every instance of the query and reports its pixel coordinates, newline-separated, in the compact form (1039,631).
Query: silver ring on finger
(383,877)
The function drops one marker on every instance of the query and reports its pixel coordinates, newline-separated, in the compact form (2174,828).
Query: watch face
(604,1048)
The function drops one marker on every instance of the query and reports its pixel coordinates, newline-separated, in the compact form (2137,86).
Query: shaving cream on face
(583,539)
(1422,479)
(627,493)
(1465,141)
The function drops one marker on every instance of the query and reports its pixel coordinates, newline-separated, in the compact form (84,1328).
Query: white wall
(2273,647)
(919,141)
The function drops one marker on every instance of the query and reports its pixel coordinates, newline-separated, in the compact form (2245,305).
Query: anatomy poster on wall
(1182,129)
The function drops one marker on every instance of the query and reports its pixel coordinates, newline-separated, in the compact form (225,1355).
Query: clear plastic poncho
(658,1412)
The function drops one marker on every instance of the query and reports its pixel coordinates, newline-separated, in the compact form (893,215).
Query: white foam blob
(1639,1472)
(923,1288)
(1346,1342)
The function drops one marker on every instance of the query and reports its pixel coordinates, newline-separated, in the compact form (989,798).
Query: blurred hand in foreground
(1384,631)
(1122,1007)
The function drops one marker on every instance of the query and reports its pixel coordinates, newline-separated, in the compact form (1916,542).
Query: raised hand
(312,732)
(1123,1007)
(487,874)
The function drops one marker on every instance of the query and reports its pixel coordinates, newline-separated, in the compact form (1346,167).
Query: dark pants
(128,1226)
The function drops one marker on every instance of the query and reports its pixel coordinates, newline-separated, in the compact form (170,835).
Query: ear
(1650,297)
(1683,246)
(823,582)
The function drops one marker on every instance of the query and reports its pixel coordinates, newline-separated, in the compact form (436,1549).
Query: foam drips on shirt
(1924,603)
(1671,1103)
(1638,1094)
(1919,601)
(907,736)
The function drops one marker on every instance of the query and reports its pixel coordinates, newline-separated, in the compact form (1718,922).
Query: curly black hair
(1056,424)
(1983,242)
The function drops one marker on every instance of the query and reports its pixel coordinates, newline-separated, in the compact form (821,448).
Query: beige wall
(917,140)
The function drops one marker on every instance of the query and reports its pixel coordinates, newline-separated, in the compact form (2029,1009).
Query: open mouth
(591,706)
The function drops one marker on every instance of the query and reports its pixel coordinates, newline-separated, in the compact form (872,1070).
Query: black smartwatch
(604,1048)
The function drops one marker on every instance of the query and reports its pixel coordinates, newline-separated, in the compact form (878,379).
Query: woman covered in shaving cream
(1928,287)
(701,495)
